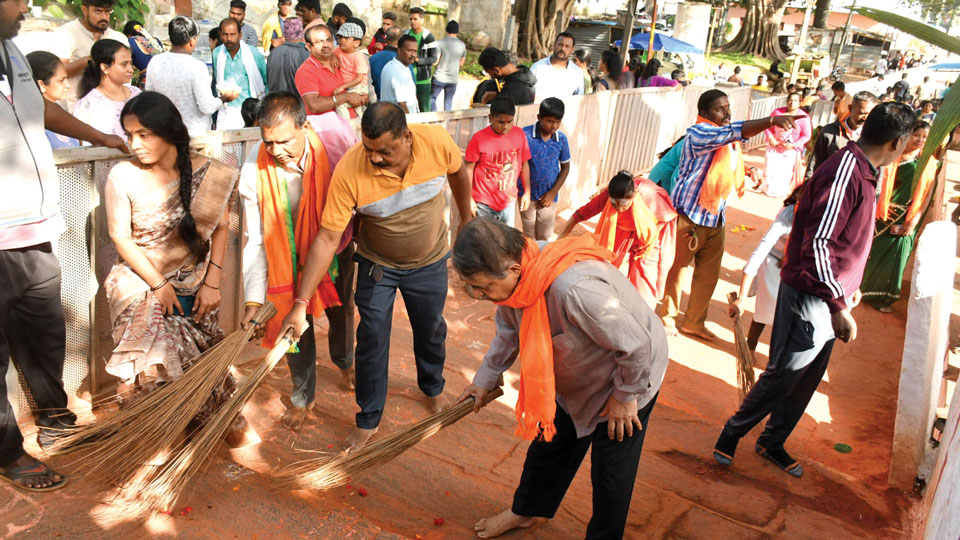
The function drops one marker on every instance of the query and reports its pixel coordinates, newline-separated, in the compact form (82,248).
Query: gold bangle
(252,304)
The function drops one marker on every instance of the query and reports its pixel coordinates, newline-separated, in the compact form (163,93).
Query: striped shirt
(695,157)
(833,229)
(401,218)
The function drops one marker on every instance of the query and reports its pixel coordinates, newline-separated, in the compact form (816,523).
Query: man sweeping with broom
(284,187)
(592,357)
(394,182)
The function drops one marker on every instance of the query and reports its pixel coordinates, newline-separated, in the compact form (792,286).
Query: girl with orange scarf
(592,357)
(638,223)
(901,206)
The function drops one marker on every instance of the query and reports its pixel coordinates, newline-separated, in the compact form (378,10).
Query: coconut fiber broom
(153,427)
(160,490)
(745,359)
(328,472)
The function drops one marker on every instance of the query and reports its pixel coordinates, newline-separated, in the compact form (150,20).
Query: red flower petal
(362,492)
(438,521)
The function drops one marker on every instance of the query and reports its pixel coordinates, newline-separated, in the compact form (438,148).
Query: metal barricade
(762,108)
(607,132)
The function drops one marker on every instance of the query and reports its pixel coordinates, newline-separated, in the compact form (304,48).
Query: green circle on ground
(843,448)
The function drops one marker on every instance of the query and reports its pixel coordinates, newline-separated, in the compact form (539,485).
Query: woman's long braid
(188,227)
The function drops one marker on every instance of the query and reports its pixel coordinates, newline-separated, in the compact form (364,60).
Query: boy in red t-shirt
(496,157)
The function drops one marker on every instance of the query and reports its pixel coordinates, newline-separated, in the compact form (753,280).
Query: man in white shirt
(396,81)
(72,41)
(881,68)
(185,80)
(291,145)
(557,75)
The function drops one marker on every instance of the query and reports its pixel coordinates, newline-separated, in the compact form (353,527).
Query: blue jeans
(448,89)
(507,215)
(424,293)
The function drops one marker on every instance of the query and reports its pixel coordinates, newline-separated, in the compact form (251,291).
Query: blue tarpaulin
(661,42)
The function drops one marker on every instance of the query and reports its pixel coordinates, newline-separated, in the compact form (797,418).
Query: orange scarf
(644,223)
(725,174)
(286,246)
(888,177)
(536,404)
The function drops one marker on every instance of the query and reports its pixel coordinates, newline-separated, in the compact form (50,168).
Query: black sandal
(33,470)
(782,459)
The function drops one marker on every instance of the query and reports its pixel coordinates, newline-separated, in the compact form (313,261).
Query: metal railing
(607,132)
(762,108)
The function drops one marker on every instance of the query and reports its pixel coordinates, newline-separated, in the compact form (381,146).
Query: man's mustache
(381,165)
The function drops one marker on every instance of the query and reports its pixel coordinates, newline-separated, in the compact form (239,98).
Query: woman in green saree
(901,206)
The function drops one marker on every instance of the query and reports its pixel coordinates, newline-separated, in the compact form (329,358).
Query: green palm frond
(949,116)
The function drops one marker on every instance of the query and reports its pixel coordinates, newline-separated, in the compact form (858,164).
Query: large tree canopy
(759,33)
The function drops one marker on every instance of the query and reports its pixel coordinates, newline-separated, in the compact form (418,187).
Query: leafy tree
(759,33)
(537,22)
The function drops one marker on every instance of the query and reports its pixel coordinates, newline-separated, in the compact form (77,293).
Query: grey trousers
(340,341)
(800,348)
(33,332)
(537,221)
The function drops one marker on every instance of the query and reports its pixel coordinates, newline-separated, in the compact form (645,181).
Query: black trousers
(800,348)
(33,332)
(303,365)
(550,467)
(424,293)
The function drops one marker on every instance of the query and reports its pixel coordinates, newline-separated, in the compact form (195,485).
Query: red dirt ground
(470,470)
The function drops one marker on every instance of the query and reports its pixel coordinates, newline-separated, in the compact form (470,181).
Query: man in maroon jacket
(825,256)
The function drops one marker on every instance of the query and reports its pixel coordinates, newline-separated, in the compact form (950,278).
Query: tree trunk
(538,22)
(759,32)
(820,14)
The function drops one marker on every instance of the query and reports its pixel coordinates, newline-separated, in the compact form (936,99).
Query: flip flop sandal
(781,459)
(34,470)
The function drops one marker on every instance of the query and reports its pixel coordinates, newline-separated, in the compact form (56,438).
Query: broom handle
(284,343)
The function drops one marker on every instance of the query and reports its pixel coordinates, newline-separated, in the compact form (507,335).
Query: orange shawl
(286,246)
(725,174)
(536,404)
(888,177)
(644,223)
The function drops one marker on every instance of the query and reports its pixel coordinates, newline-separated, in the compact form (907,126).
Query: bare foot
(294,417)
(357,439)
(493,527)
(30,474)
(669,327)
(438,403)
(347,378)
(701,333)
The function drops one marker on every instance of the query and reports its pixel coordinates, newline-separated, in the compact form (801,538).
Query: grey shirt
(282,66)
(249,35)
(451,51)
(606,341)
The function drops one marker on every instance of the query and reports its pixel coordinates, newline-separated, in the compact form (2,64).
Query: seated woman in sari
(167,215)
(903,201)
(638,223)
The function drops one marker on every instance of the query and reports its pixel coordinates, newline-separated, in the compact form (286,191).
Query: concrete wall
(488,16)
(693,24)
(941,502)
(924,348)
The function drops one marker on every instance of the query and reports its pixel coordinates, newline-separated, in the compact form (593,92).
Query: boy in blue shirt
(549,166)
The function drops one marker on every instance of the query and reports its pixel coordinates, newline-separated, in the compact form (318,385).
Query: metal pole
(801,46)
(627,31)
(713,19)
(653,29)
(846,28)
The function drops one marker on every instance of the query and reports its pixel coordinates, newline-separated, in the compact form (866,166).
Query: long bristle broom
(154,426)
(159,491)
(745,359)
(331,471)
